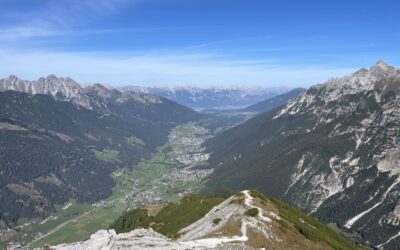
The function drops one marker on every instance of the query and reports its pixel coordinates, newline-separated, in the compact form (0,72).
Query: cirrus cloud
(190,68)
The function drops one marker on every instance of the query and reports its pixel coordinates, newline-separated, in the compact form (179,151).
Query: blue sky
(201,42)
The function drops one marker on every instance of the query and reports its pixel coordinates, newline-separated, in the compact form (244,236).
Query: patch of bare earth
(231,228)
(153,210)
(51,179)
(24,190)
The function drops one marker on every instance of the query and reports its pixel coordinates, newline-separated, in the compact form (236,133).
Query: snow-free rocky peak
(246,220)
(66,89)
(50,85)
(382,66)
(364,79)
(381,78)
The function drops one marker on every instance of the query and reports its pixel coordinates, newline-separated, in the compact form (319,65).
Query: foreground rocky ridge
(246,220)
(332,151)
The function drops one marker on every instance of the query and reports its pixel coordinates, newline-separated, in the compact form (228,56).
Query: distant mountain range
(61,141)
(221,98)
(333,152)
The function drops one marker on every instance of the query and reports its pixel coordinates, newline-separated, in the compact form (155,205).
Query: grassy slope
(308,226)
(170,219)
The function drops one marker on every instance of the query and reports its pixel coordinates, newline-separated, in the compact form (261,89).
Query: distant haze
(221,98)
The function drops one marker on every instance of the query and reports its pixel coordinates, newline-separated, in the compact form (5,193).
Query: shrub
(252,212)
(216,221)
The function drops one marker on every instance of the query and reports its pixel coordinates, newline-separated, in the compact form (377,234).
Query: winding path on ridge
(214,242)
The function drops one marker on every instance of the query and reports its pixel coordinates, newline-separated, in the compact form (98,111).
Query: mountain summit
(381,65)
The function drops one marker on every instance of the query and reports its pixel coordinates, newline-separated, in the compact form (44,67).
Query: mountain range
(60,141)
(219,98)
(333,152)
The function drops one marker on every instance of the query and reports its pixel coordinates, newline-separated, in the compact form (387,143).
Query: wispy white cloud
(199,69)
(227,41)
(68,13)
(66,17)
(23,32)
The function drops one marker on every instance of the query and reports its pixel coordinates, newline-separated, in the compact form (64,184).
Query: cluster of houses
(147,197)
(189,159)
(190,175)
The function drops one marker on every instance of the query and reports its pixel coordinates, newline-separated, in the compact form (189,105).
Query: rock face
(228,225)
(51,85)
(333,151)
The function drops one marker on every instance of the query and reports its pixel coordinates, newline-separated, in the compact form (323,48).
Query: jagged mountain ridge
(332,151)
(212,97)
(50,85)
(66,89)
(246,220)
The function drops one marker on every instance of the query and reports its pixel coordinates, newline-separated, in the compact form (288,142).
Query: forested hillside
(53,150)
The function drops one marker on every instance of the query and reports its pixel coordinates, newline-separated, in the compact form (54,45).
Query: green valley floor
(177,169)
